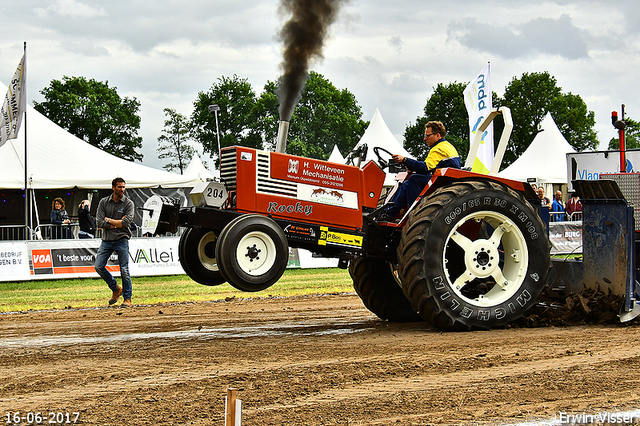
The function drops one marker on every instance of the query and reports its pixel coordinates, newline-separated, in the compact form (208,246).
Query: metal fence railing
(56,232)
(557,216)
(562,216)
(575,216)
(13,232)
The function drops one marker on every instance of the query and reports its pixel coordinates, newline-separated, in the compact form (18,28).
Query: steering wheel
(383,163)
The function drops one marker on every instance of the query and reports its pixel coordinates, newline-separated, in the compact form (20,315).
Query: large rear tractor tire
(376,283)
(252,252)
(197,255)
(473,255)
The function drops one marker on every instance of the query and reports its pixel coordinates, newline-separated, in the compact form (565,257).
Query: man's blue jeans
(121,247)
(407,192)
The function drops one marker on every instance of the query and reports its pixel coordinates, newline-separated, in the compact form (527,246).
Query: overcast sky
(389,54)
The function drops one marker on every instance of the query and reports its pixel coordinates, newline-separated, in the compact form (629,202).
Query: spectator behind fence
(557,207)
(544,201)
(574,204)
(85,220)
(59,218)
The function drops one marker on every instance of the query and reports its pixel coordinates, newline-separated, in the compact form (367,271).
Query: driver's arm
(398,158)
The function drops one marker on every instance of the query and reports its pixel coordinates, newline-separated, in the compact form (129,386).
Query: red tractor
(470,253)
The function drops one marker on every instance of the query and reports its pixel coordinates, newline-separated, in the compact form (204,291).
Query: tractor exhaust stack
(283,132)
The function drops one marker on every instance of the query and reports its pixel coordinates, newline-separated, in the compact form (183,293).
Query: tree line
(324,116)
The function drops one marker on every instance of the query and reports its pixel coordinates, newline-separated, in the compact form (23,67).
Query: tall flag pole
(13,108)
(477,99)
(23,107)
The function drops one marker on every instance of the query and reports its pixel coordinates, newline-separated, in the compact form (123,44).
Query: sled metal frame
(609,244)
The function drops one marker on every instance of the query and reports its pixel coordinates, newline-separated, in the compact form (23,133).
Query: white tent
(336,156)
(379,135)
(545,159)
(58,159)
(197,170)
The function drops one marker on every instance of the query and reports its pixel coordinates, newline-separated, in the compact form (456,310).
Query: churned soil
(321,360)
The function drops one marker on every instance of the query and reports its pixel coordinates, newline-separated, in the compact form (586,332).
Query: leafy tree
(95,113)
(631,136)
(324,116)
(173,143)
(530,98)
(237,118)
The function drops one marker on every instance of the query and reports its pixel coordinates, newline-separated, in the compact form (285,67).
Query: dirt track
(305,361)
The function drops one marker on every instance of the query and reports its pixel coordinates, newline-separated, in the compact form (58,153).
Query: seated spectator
(86,221)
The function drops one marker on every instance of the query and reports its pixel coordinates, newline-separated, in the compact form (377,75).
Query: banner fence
(65,259)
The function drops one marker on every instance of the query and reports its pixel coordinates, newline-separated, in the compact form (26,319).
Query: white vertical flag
(477,99)
(14,104)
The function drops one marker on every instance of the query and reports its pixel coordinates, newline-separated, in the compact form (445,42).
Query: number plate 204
(212,194)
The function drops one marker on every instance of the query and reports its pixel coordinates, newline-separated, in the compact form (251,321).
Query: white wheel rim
(482,260)
(256,253)
(210,263)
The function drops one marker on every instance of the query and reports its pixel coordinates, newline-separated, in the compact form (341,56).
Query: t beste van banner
(36,260)
(27,260)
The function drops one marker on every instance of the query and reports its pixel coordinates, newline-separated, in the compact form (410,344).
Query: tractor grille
(268,185)
(229,169)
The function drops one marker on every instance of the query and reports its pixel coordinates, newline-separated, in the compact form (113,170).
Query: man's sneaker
(126,303)
(116,294)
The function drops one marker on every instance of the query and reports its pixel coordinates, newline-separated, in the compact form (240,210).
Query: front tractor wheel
(252,252)
(474,255)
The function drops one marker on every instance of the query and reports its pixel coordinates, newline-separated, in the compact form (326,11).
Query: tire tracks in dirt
(308,361)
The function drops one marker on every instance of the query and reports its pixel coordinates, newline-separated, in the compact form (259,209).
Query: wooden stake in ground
(232,408)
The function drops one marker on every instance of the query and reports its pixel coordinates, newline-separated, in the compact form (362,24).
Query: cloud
(396,43)
(85,48)
(144,25)
(408,82)
(389,54)
(70,9)
(541,35)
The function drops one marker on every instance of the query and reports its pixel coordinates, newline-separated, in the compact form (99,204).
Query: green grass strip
(93,292)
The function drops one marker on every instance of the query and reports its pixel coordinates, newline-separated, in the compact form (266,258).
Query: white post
(504,139)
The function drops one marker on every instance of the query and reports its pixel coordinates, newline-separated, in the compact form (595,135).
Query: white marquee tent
(336,156)
(379,135)
(545,159)
(58,159)
(198,170)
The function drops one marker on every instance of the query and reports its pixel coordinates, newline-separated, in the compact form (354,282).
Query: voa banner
(76,258)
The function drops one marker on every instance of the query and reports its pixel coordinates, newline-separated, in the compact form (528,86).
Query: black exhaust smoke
(303,36)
